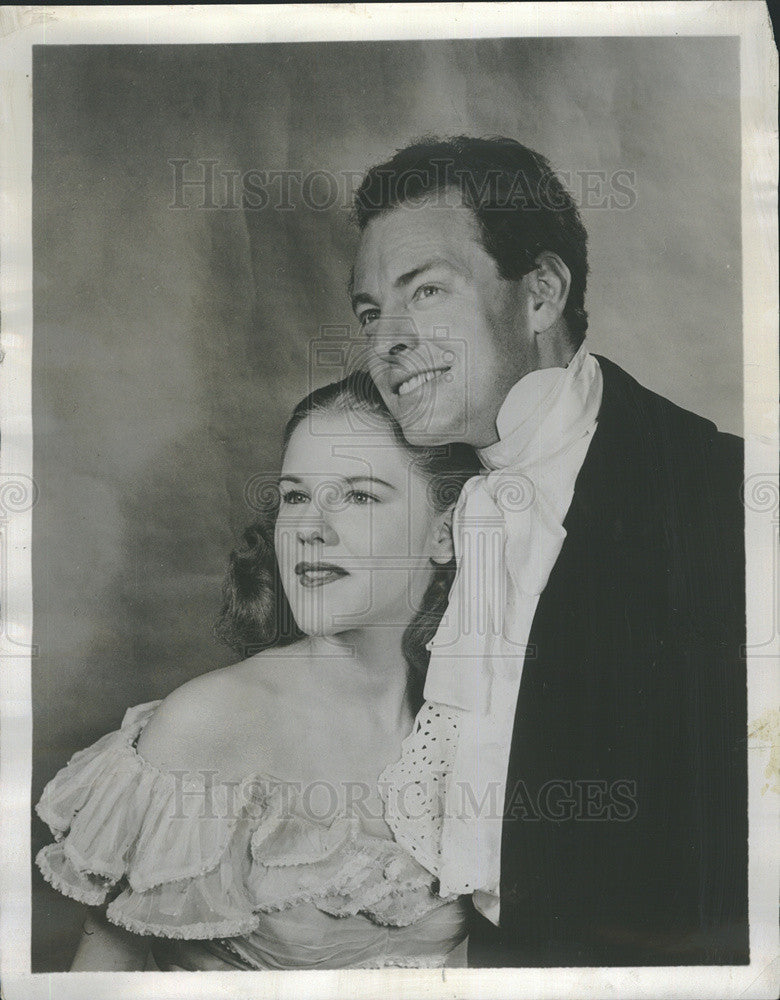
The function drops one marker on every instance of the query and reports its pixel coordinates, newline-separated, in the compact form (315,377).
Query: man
(609,706)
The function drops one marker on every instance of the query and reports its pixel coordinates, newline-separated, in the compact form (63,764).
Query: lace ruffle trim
(89,896)
(110,813)
(193,932)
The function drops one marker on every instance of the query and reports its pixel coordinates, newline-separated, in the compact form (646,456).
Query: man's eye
(361,498)
(368,317)
(294,496)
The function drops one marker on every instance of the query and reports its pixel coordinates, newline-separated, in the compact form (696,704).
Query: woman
(239,823)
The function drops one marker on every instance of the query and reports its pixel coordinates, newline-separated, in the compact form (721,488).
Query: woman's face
(355,530)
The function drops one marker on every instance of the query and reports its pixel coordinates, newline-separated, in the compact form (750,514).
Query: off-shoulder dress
(240,875)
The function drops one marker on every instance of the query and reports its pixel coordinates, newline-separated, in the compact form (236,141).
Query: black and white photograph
(388,500)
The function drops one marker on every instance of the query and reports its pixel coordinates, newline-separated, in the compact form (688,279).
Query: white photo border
(23,27)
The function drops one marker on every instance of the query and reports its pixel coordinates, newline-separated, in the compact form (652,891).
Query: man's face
(448,337)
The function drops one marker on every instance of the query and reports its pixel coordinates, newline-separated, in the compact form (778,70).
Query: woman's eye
(426,292)
(361,498)
(294,496)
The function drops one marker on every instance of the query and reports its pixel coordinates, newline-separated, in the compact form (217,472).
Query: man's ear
(549,285)
(443,549)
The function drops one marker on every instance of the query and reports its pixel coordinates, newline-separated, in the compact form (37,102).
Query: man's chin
(420,426)
(423,435)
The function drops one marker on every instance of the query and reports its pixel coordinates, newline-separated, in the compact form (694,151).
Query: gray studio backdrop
(174,329)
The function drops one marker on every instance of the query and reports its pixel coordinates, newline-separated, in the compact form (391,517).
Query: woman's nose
(317,531)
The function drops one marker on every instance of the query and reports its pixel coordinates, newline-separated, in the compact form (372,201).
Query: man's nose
(394,336)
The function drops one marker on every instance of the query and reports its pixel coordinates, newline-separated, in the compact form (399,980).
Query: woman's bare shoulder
(207,721)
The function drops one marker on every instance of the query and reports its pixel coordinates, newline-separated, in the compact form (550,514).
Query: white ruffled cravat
(508,532)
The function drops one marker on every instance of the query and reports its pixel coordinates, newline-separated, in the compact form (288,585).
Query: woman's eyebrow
(351,480)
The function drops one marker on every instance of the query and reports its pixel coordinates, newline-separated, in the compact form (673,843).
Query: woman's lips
(318,574)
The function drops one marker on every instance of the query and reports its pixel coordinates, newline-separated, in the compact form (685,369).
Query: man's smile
(418,379)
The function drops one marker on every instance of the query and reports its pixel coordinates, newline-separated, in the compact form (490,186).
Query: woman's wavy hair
(255,613)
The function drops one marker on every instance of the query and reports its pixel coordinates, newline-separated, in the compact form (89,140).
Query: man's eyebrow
(402,280)
(408,276)
(362,298)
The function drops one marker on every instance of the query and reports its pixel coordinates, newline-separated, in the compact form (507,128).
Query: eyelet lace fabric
(181,857)
(414,788)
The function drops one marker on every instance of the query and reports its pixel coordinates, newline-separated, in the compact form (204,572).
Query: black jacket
(625,830)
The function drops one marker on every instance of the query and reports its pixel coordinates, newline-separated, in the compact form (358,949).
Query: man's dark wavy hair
(255,613)
(521,206)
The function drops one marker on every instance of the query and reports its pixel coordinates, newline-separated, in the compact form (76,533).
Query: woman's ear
(443,550)
(549,285)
